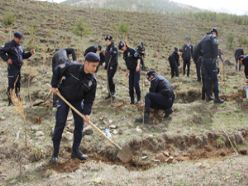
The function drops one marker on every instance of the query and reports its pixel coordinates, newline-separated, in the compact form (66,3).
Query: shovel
(124,154)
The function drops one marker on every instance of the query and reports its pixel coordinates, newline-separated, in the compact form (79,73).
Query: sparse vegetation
(81,28)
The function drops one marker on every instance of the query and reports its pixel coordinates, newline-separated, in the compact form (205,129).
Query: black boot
(108,96)
(79,155)
(54,160)
(209,98)
(146,118)
(218,101)
(168,112)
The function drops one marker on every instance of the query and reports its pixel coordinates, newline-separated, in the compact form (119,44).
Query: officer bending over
(160,96)
(79,88)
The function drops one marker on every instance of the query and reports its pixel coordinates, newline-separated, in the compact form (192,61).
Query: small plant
(81,28)
(230,41)
(8,20)
(123,30)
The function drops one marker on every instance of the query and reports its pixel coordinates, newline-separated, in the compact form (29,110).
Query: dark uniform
(187,52)
(79,89)
(141,50)
(111,64)
(15,52)
(131,58)
(238,52)
(160,96)
(94,49)
(62,57)
(245,63)
(208,50)
(198,64)
(174,63)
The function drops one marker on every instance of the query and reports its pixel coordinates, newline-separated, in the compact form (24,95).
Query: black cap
(150,73)
(121,44)
(18,35)
(108,37)
(92,57)
(176,49)
(214,30)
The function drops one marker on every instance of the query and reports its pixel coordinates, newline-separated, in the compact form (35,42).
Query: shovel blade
(125,154)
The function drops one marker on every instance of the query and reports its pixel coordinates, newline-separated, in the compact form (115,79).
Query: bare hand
(32,51)
(55,91)
(10,62)
(86,119)
(137,68)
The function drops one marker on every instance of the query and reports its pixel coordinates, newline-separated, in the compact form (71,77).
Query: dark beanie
(121,45)
(18,35)
(92,57)
(108,37)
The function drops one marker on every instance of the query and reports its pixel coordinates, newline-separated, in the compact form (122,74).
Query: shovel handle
(90,123)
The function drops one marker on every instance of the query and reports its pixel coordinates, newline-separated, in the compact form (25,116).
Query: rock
(139,130)
(239,138)
(2,118)
(115,132)
(144,157)
(166,153)
(88,131)
(39,134)
(161,157)
(38,102)
(68,136)
(170,159)
(69,118)
(110,121)
(243,151)
(113,127)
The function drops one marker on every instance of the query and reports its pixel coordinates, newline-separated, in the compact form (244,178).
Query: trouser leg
(61,117)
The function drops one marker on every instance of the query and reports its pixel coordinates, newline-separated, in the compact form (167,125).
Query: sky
(229,6)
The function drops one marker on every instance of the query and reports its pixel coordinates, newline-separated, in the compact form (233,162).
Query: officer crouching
(160,96)
(79,88)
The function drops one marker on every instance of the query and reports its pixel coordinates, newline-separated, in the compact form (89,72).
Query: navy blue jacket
(131,57)
(245,62)
(62,56)
(161,85)
(111,56)
(208,47)
(90,49)
(187,52)
(76,86)
(174,59)
(15,52)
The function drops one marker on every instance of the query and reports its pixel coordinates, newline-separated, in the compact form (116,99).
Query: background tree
(81,28)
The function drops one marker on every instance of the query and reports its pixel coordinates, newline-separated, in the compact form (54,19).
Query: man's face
(123,49)
(90,67)
(18,40)
(215,34)
(150,78)
(108,42)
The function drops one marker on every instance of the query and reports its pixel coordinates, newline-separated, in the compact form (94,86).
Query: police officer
(208,50)
(132,59)
(79,88)
(198,62)
(62,56)
(111,64)
(160,96)
(244,60)
(13,53)
(174,63)
(141,50)
(187,52)
(238,52)
(96,49)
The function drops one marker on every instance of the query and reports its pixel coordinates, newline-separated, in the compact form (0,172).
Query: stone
(88,131)
(39,134)
(170,159)
(115,132)
(113,127)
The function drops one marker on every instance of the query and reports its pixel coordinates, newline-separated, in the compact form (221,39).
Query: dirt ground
(200,144)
